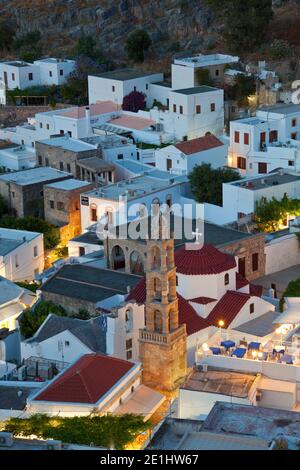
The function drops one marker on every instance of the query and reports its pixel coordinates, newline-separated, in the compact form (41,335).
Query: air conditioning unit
(54,445)
(259,395)
(6,439)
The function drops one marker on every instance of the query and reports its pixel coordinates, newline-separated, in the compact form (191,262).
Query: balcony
(162,338)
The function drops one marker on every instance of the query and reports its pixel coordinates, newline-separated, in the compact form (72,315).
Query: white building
(17,158)
(266,142)
(184,69)
(13,301)
(97,382)
(2,93)
(115,85)
(20,74)
(182,157)
(21,254)
(129,197)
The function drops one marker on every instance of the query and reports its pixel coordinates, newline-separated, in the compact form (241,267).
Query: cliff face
(170,23)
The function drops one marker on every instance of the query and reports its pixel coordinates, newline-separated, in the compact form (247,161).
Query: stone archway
(117,258)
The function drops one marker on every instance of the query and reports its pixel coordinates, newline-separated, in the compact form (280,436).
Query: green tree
(271,214)
(30,39)
(32,319)
(244,87)
(203,77)
(136,44)
(33,224)
(6,36)
(206,182)
(245,22)
(87,46)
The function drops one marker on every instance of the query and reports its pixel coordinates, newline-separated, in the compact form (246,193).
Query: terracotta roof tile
(240,281)
(227,308)
(87,380)
(199,145)
(101,107)
(202,300)
(207,260)
(132,122)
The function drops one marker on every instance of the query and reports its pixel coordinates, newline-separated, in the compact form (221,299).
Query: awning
(253,346)
(143,401)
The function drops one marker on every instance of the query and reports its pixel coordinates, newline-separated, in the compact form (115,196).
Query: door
(5,78)
(169,164)
(242,266)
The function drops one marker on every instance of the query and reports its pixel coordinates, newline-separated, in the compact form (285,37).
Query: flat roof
(89,283)
(195,90)
(11,399)
(213,441)
(202,60)
(18,64)
(33,175)
(88,238)
(223,382)
(285,109)
(125,74)
(69,185)
(268,180)
(252,420)
(260,326)
(68,143)
(96,164)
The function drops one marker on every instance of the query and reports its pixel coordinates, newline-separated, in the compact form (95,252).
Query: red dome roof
(206,260)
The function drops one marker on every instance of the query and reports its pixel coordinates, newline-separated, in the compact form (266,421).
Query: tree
(271,214)
(134,101)
(203,77)
(136,44)
(245,22)
(87,47)
(75,90)
(244,87)
(6,36)
(32,319)
(33,224)
(206,182)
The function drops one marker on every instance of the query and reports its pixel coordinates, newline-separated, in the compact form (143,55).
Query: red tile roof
(256,290)
(202,300)
(87,380)
(240,281)
(207,260)
(101,107)
(199,145)
(132,122)
(227,308)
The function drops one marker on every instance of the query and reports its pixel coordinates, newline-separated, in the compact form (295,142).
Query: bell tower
(162,341)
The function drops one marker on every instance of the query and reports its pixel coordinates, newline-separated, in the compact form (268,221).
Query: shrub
(136,44)
(134,101)
(203,77)
(279,49)
(32,319)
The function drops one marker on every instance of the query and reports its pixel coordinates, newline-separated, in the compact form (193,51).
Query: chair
(215,350)
(239,352)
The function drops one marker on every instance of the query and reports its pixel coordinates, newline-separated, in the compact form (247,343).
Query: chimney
(88,120)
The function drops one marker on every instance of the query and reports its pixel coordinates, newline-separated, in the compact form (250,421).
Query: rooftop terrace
(33,176)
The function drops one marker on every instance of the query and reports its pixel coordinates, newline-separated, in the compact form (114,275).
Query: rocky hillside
(173,25)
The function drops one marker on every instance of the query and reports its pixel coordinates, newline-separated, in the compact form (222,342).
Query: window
(226,279)
(67,344)
(176,280)
(32,144)
(61,166)
(51,203)
(273,136)
(241,163)
(128,313)
(60,206)
(109,176)
(40,160)
(62,132)
(16,261)
(217,72)
(198,109)
(48,126)
(50,73)
(46,161)
(129,343)
(22,142)
(251,308)
(147,86)
(113,88)
(134,88)
(61,72)
(68,168)
(120,156)
(93,213)
(35,251)
(129,355)
(169,164)
(294,135)
(262,139)
(291,163)
(174,108)
(30,76)
(246,138)
(294,122)
(255,262)
(262,167)
(181,109)
(13,77)
(236,137)
(212,107)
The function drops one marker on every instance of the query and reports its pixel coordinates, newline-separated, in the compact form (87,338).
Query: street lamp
(221,324)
